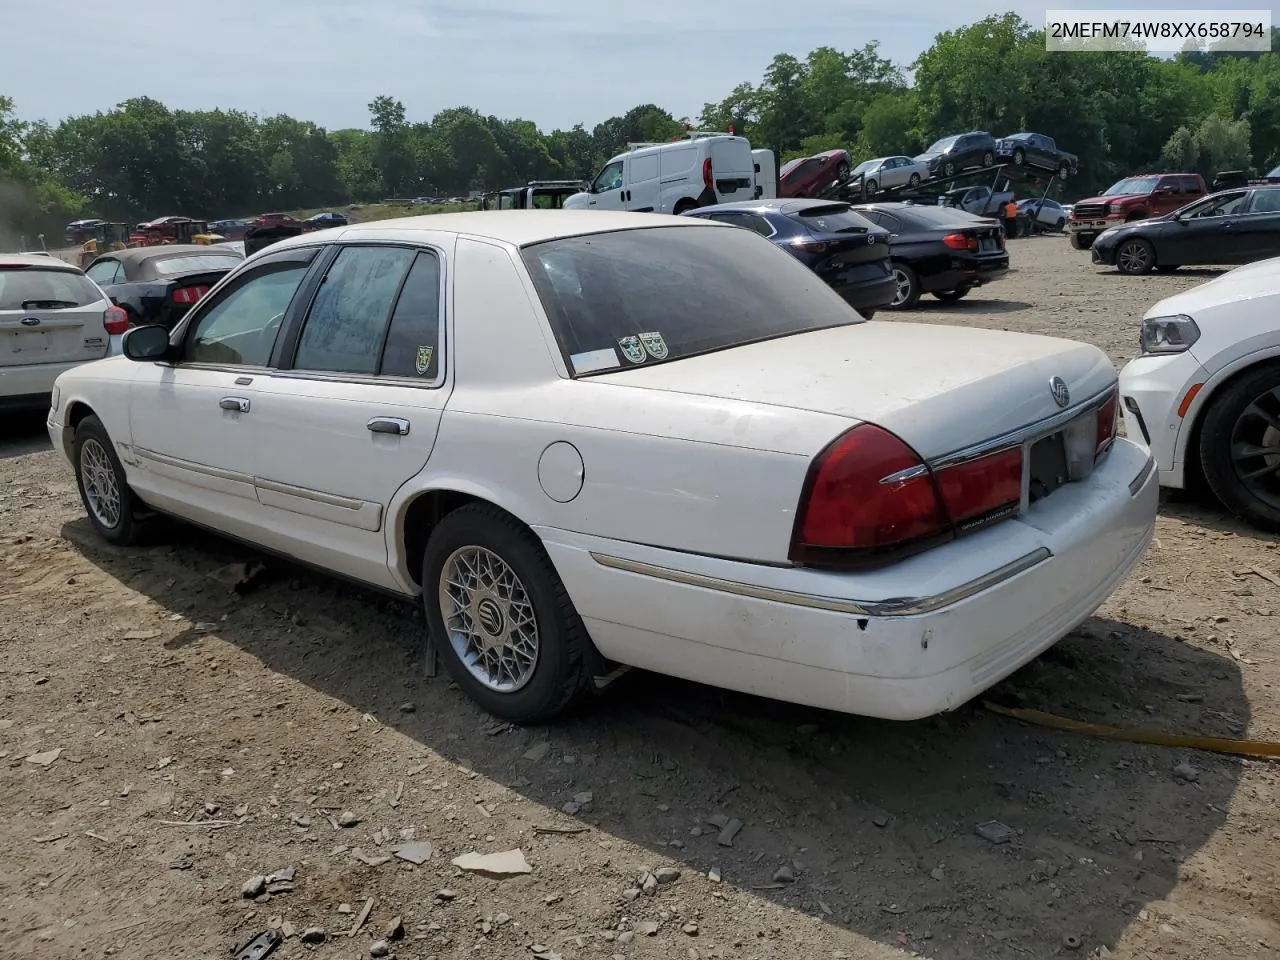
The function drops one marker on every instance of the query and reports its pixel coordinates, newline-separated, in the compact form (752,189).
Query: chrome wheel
(903,291)
(489,618)
(101,489)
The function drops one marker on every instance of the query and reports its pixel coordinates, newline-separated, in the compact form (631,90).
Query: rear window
(45,289)
(663,293)
(836,218)
(936,216)
(194,264)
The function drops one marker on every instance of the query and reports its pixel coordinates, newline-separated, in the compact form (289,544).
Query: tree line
(1121,112)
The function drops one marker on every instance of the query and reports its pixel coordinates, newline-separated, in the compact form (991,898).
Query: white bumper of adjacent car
(918,638)
(1151,390)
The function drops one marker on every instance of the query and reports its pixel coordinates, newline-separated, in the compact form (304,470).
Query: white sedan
(597,440)
(891,172)
(1205,391)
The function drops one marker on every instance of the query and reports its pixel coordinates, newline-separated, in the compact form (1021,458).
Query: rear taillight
(1108,414)
(706,173)
(982,490)
(867,494)
(870,499)
(115,320)
(809,246)
(189,294)
(960,241)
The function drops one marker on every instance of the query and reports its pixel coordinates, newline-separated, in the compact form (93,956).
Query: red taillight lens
(810,246)
(1108,413)
(978,491)
(706,173)
(115,320)
(867,494)
(960,241)
(189,294)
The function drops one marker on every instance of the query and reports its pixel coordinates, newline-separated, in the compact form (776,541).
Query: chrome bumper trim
(894,607)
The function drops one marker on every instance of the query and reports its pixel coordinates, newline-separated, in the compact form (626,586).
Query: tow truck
(535,195)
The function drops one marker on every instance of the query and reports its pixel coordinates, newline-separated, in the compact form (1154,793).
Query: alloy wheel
(1133,257)
(101,488)
(1255,447)
(904,286)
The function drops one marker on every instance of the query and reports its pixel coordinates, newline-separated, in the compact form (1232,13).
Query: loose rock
(729,832)
(287,929)
(446,896)
(313,935)
(395,929)
(691,929)
(254,887)
(347,819)
(714,874)
(418,851)
(666,874)
(649,885)
(379,948)
(1186,772)
(784,874)
(538,751)
(509,863)
(995,831)
(408,708)
(647,928)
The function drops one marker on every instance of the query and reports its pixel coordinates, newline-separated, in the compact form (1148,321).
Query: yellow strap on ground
(1241,748)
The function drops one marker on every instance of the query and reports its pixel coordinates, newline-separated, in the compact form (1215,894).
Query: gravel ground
(208,737)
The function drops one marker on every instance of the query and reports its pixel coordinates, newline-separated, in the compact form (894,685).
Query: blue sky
(556,62)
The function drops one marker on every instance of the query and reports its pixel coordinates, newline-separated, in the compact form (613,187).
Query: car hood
(1252,282)
(925,157)
(940,388)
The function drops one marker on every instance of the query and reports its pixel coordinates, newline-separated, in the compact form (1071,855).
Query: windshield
(207,261)
(659,294)
(1018,136)
(45,289)
(867,166)
(1131,186)
(942,145)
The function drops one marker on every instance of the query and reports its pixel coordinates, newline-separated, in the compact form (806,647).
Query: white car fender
(1256,354)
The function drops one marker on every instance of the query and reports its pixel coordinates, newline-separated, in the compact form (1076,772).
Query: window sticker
(423,361)
(654,345)
(632,349)
(595,360)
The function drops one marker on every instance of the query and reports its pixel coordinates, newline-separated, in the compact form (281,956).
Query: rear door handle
(393,425)
(238,404)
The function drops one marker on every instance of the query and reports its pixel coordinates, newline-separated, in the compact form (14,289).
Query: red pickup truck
(1133,198)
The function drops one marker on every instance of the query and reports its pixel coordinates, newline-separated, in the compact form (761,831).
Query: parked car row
(332,400)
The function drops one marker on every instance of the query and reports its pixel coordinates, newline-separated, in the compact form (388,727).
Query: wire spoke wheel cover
(489,618)
(101,487)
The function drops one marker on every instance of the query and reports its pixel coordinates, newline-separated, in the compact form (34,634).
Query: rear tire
(872,186)
(988,159)
(949,169)
(104,490)
(1229,423)
(503,592)
(842,171)
(1064,171)
(951,295)
(683,206)
(908,294)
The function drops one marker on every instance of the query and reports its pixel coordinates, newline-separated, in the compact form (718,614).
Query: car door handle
(393,425)
(238,404)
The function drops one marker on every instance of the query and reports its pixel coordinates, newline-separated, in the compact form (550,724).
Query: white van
(678,176)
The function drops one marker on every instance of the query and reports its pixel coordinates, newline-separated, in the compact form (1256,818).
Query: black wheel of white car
(914,180)
(104,491)
(908,292)
(1240,447)
(1135,256)
(500,616)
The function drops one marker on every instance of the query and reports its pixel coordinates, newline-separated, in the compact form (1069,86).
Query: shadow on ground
(974,303)
(22,434)
(879,818)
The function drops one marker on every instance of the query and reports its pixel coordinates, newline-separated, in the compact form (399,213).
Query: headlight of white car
(1168,334)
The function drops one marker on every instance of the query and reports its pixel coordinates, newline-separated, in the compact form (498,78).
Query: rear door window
(412,347)
(37,288)
(104,272)
(836,218)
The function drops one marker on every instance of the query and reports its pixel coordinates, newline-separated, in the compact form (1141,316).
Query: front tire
(1019,157)
(1082,241)
(872,186)
(1064,171)
(913,180)
(988,159)
(501,618)
(908,292)
(1135,257)
(1240,447)
(104,491)
(949,169)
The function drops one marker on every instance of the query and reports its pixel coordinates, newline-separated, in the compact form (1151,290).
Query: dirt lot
(207,737)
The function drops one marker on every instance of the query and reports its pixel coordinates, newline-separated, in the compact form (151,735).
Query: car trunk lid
(940,388)
(50,316)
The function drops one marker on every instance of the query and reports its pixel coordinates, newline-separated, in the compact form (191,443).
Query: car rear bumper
(966,274)
(982,606)
(29,387)
(868,294)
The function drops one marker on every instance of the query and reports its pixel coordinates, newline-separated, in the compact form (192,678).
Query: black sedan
(847,251)
(160,284)
(938,250)
(1231,227)
(322,221)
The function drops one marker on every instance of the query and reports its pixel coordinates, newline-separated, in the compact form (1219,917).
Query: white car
(598,440)
(1205,391)
(891,172)
(52,318)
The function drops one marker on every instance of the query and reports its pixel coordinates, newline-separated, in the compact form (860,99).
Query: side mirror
(147,344)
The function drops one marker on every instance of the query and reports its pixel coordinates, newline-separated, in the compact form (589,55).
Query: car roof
(781,205)
(135,255)
(36,260)
(517,227)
